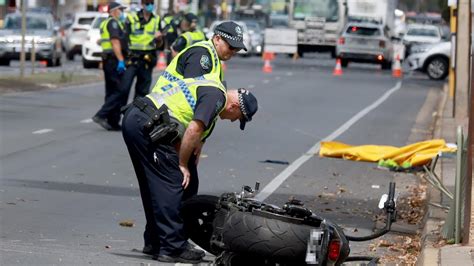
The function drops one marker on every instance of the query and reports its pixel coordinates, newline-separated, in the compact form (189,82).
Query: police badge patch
(238,30)
(205,62)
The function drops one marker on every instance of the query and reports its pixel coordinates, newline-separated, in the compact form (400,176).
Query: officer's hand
(121,67)
(186,176)
(158,34)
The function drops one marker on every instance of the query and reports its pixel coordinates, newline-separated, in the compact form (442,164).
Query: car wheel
(70,55)
(387,65)
(437,68)
(344,62)
(58,61)
(89,64)
(4,62)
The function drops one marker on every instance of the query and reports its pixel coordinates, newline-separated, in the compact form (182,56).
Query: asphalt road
(66,183)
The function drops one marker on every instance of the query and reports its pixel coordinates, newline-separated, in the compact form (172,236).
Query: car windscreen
(253,26)
(327,9)
(85,21)
(32,23)
(423,32)
(363,31)
(97,22)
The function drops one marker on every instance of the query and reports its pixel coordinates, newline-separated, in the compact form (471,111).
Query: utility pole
(23,33)
(462,100)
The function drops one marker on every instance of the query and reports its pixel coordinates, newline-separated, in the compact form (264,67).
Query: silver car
(433,59)
(39,29)
(366,43)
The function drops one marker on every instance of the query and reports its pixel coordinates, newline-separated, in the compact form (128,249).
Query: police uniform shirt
(142,21)
(116,32)
(210,101)
(194,62)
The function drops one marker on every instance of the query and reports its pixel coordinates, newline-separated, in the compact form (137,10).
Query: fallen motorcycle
(238,230)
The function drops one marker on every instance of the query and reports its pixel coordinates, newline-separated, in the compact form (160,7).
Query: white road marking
(86,121)
(375,186)
(279,179)
(42,131)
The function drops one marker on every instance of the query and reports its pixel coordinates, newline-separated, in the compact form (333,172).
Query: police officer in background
(164,133)
(114,45)
(170,30)
(205,57)
(190,34)
(144,35)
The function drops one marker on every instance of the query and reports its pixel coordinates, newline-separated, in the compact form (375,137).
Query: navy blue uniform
(113,91)
(159,176)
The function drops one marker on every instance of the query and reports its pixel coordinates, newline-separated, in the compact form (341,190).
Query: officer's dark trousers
(113,92)
(143,74)
(159,179)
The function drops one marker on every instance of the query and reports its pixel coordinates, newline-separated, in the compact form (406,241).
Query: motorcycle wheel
(272,238)
(198,214)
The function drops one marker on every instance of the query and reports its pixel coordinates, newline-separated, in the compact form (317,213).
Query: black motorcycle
(239,230)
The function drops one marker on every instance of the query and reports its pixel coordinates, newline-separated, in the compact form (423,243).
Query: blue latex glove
(121,66)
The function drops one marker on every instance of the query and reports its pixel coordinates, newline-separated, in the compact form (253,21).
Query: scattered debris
(406,249)
(411,208)
(107,246)
(275,162)
(127,223)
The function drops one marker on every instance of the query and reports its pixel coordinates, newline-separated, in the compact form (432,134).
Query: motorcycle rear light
(341,40)
(382,44)
(334,250)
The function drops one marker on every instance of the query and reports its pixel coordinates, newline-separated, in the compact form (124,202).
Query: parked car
(39,29)
(245,33)
(76,34)
(366,43)
(433,59)
(421,34)
(256,37)
(91,49)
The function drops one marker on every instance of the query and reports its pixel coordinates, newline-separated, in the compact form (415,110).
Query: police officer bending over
(164,133)
(190,34)
(143,30)
(205,57)
(113,63)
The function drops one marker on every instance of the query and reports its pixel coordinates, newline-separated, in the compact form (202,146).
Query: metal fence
(452,228)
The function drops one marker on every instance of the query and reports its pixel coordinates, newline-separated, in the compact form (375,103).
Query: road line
(42,131)
(86,121)
(279,179)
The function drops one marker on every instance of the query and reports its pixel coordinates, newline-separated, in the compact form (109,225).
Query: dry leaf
(127,223)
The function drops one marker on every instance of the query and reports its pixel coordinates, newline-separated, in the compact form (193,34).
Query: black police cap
(232,33)
(248,105)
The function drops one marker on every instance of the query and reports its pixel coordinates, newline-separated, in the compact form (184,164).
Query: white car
(91,50)
(432,59)
(76,34)
(421,34)
(246,35)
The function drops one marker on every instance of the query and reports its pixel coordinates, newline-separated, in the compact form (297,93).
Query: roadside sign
(279,40)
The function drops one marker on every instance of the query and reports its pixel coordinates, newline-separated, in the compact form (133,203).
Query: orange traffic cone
(338,69)
(267,67)
(224,66)
(161,61)
(397,68)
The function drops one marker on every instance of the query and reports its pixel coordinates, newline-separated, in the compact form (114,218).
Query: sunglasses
(233,49)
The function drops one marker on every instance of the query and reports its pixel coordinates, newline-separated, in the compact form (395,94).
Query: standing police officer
(205,57)
(143,30)
(190,34)
(170,30)
(164,133)
(113,63)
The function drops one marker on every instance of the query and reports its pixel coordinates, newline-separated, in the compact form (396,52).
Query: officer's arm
(191,141)
(117,47)
(178,46)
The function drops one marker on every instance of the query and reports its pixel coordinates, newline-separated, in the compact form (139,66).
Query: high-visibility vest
(193,37)
(105,35)
(180,97)
(171,74)
(142,37)
(168,21)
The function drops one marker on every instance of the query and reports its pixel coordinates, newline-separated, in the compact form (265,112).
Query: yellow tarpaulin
(416,154)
